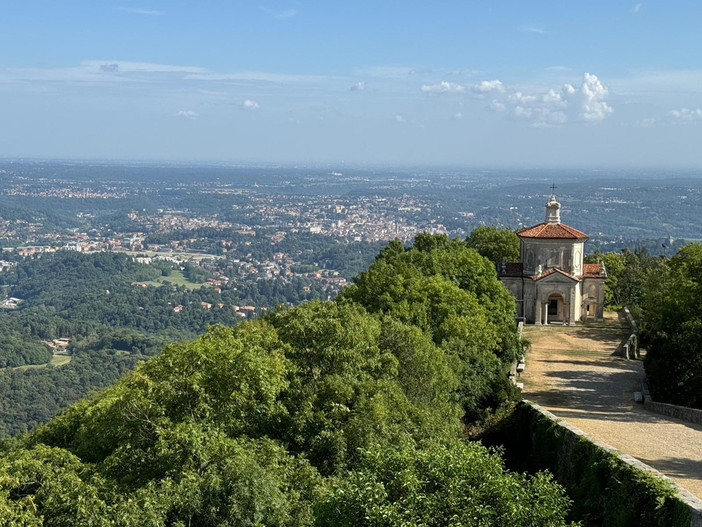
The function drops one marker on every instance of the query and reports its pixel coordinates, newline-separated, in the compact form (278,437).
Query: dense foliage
(626,275)
(112,323)
(329,412)
(453,295)
(440,485)
(495,244)
(673,328)
(18,349)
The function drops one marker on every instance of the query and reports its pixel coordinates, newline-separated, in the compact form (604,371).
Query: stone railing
(630,348)
(691,415)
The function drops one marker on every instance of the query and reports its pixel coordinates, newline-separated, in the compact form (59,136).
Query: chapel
(552,284)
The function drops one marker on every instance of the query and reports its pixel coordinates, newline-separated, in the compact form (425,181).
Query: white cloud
(489,86)
(532,29)
(686,115)
(443,87)
(458,116)
(138,67)
(256,76)
(399,119)
(188,114)
(554,107)
(359,86)
(249,105)
(139,11)
(592,106)
(636,8)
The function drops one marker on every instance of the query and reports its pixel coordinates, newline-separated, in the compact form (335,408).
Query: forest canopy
(345,412)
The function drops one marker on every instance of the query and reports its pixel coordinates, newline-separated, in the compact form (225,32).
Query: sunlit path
(571,372)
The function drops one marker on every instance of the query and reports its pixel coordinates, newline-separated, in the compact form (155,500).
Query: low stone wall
(691,415)
(608,487)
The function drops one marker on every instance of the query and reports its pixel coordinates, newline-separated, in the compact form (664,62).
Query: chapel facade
(552,284)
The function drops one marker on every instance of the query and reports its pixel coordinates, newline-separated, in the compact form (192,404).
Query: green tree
(626,274)
(444,484)
(495,244)
(672,326)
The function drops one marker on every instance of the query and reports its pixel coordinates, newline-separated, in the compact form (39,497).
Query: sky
(498,83)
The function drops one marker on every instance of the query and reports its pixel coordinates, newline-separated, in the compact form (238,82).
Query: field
(59,359)
(176,278)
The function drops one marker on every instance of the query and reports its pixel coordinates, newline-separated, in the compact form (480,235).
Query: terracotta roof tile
(551,230)
(592,271)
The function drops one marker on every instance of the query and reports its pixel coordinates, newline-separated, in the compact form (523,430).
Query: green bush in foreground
(451,484)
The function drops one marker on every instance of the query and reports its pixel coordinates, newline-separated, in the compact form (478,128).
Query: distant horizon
(338,166)
(504,83)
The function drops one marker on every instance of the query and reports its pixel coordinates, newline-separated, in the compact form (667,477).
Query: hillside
(345,413)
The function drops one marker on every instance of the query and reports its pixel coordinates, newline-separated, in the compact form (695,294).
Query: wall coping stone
(684,413)
(693,503)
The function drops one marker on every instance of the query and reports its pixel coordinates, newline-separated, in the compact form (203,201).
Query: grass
(56,361)
(176,278)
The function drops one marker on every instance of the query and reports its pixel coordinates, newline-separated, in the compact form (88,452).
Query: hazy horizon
(503,84)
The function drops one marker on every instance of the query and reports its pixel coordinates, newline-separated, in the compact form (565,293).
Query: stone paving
(572,373)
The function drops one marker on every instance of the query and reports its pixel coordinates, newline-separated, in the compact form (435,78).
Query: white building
(552,284)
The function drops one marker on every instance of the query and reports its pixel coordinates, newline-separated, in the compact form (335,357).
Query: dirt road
(572,373)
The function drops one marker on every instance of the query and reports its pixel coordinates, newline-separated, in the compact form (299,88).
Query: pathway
(571,372)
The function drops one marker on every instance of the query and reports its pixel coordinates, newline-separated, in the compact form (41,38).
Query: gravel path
(572,373)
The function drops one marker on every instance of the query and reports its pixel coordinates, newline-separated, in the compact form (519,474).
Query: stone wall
(608,487)
(691,415)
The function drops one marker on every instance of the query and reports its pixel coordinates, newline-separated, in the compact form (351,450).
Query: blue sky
(535,83)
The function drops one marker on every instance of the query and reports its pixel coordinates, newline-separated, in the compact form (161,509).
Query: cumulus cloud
(359,86)
(686,115)
(489,86)
(443,87)
(250,105)
(554,107)
(188,114)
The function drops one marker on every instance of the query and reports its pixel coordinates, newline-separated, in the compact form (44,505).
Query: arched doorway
(590,308)
(554,305)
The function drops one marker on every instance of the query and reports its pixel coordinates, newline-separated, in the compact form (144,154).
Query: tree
(495,244)
(455,483)
(672,326)
(453,295)
(626,273)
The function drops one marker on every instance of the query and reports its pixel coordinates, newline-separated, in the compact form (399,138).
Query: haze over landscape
(493,83)
(350,264)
